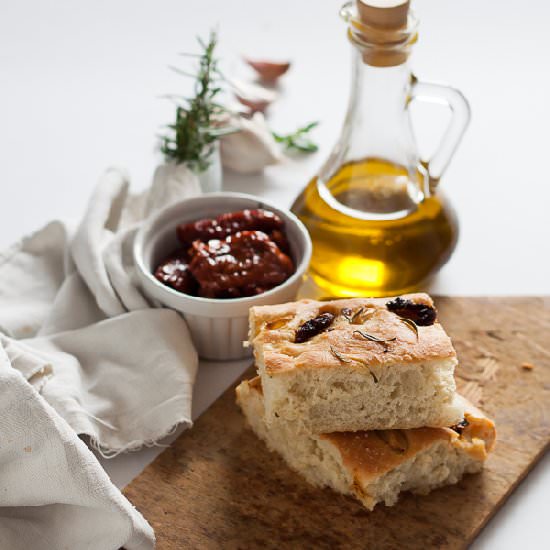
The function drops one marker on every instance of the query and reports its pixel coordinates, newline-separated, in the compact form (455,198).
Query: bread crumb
(527,366)
(27,449)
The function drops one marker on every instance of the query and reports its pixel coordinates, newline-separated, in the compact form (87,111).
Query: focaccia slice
(356,364)
(375,466)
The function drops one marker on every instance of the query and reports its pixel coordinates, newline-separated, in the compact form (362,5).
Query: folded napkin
(75,325)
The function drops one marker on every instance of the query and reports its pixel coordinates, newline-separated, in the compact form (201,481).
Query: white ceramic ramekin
(218,327)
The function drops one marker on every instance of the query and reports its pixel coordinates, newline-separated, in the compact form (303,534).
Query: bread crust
(273,329)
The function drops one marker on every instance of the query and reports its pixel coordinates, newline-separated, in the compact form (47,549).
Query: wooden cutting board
(218,486)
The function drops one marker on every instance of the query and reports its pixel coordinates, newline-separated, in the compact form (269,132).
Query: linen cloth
(81,352)
(54,494)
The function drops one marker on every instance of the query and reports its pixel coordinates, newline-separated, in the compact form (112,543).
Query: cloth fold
(104,350)
(54,494)
(84,349)
(121,381)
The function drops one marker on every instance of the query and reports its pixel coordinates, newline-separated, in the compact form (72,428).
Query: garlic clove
(255,106)
(256,98)
(251,148)
(268,71)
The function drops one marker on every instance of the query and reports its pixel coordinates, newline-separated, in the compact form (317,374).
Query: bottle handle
(460,109)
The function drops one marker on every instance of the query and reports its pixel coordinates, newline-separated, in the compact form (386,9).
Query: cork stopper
(384,30)
(384,14)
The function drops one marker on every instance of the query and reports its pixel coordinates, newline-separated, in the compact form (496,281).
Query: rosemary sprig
(411,324)
(298,140)
(351,317)
(372,338)
(339,356)
(358,313)
(190,137)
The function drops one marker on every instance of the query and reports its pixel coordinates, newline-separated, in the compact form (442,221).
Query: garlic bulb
(251,148)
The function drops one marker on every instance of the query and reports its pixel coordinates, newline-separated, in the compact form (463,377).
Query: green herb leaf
(298,140)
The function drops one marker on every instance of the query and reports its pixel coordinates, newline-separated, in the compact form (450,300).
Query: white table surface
(79,87)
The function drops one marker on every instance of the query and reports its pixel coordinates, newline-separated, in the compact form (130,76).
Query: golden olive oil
(373,232)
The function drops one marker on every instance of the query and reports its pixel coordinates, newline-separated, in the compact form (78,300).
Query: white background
(80,82)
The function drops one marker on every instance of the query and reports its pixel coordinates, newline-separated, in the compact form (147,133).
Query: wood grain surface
(218,486)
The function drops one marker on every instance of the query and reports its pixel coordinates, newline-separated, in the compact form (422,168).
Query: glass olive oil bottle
(378,223)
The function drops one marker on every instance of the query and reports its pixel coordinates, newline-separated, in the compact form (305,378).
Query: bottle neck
(377,119)
(376,154)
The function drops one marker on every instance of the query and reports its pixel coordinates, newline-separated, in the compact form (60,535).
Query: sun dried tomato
(228,224)
(235,254)
(174,272)
(243,264)
(279,238)
(421,314)
(313,327)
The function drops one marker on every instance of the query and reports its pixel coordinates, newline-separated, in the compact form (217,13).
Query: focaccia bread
(352,364)
(375,466)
